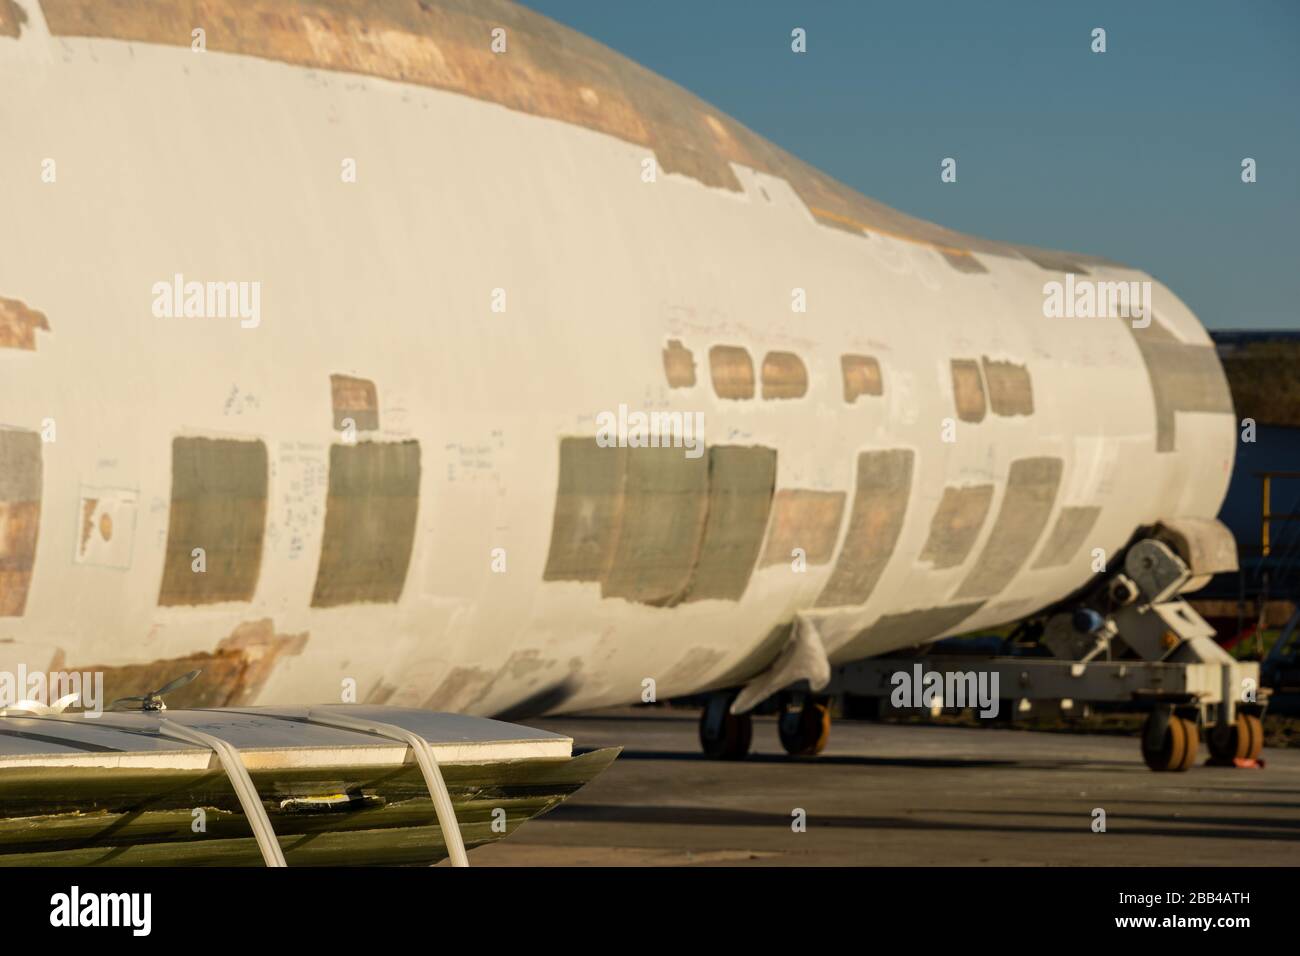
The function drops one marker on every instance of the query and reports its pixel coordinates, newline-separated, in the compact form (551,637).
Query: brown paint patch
(809,520)
(665,505)
(679,365)
(21,475)
(88,506)
(741,481)
(884,484)
(1184,378)
(968,390)
(861,377)
(18,323)
(784,376)
(233,673)
(107,517)
(218,504)
(1068,535)
(956,524)
(1027,503)
(966,263)
(1011,392)
(588,510)
(357,399)
(12,18)
(370,516)
(1052,261)
(732,371)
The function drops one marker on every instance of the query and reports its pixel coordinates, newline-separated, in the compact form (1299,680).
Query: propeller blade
(64,702)
(178,682)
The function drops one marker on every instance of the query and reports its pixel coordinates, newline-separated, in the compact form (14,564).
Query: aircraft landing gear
(804,731)
(724,735)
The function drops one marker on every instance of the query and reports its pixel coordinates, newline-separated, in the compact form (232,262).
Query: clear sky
(1133,154)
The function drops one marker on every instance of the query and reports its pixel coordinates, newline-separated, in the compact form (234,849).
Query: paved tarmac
(901,795)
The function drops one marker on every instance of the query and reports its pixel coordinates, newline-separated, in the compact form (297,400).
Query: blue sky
(1134,154)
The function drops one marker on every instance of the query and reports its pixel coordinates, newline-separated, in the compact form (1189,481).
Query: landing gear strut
(804,731)
(724,735)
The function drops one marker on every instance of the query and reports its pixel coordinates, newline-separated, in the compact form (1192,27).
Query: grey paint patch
(741,481)
(1068,534)
(968,390)
(956,524)
(1026,505)
(1184,378)
(20,465)
(370,517)
(884,484)
(1011,392)
(218,504)
(664,506)
(588,510)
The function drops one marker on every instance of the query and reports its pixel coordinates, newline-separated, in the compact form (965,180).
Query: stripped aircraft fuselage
(391,482)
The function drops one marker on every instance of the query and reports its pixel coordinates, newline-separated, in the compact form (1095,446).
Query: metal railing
(1266,503)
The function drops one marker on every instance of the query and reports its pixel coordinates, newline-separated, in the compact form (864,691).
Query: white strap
(428,766)
(242,782)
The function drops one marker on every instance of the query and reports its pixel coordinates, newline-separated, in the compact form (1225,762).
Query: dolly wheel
(804,732)
(1193,744)
(730,740)
(1249,725)
(1243,739)
(1177,750)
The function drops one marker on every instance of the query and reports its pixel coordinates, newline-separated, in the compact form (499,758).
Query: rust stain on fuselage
(232,674)
(18,323)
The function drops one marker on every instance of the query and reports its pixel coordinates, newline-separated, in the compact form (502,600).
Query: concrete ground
(889,794)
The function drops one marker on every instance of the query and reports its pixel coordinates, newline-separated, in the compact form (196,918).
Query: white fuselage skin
(233,173)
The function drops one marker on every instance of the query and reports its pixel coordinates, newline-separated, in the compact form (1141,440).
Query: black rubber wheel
(1243,739)
(733,737)
(1173,752)
(804,733)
